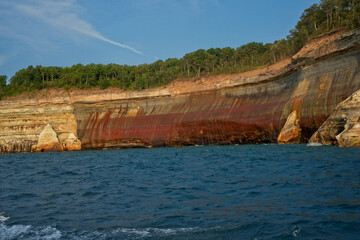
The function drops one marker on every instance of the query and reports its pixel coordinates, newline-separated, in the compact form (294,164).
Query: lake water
(212,192)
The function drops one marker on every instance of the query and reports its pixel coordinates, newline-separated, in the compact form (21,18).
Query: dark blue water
(214,192)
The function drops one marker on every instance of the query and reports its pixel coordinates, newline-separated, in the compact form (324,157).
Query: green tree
(104,82)
(3,81)
(2,85)
(319,18)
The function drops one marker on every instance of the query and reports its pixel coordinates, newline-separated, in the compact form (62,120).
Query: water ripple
(214,192)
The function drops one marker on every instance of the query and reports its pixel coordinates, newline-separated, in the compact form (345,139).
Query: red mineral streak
(234,115)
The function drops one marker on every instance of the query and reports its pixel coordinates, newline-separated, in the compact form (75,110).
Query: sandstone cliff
(250,107)
(21,122)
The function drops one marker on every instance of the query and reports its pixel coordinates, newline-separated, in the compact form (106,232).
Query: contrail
(121,45)
(65,15)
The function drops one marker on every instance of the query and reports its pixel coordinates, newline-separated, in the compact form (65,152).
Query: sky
(133,32)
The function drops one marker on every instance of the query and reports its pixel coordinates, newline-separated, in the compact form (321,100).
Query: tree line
(325,16)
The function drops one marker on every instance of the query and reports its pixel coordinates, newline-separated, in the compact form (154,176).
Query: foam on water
(149,232)
(28,232)
(49,232)
(296,231)
(3,218)
(314,144)
(23,232)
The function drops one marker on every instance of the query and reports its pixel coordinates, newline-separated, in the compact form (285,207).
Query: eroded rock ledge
(343,125)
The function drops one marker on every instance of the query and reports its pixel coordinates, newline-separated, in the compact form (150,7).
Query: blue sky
(132,32)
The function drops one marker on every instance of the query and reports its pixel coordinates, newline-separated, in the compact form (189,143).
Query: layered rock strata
(21,123)
(343,125)
(250,107)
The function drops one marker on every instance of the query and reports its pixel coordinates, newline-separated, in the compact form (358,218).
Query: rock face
(343,125)
(350,137)
(48,141)
(250,107)
(291,132)
(251,112)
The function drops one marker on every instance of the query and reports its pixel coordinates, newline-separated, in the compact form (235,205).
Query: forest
(327,15)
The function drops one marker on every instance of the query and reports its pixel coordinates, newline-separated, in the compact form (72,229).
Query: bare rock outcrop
(343,125)
(291,132)
(70,142)
(350,137)
(48,141)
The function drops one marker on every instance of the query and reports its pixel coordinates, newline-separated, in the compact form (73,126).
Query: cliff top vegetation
(327,15)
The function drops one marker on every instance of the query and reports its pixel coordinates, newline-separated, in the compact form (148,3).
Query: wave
(28,232)
(296,231)
(3,218)
(314,144)
(158,232)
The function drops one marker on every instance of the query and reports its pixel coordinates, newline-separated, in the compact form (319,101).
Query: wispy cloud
(64,15)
